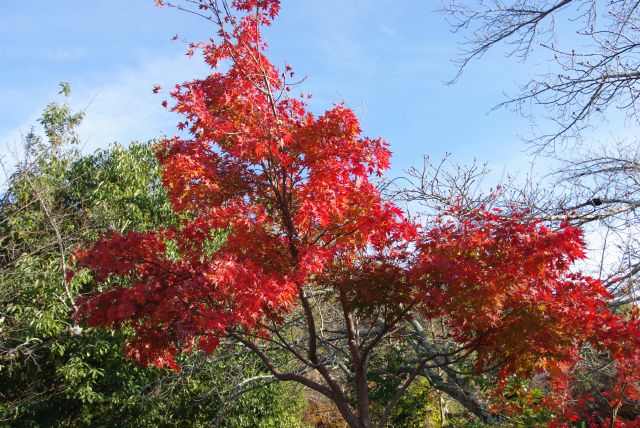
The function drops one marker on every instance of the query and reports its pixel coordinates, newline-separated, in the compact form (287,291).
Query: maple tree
(315,263)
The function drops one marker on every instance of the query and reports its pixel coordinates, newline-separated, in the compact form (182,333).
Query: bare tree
(593,43)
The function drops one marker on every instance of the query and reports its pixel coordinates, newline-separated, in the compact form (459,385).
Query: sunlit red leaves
(290,192)
(195,176)
(120,255)
(270,7)
(173,301)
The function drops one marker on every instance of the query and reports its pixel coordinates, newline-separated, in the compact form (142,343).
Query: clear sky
(387,59)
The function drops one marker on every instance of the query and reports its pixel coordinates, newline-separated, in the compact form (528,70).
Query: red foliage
(291,190)
(503,283)
(504,287)
(293,193)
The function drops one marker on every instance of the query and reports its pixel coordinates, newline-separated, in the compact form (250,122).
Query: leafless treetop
(594,45)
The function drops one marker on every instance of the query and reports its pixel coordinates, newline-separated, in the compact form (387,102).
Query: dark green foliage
(52,373)
(417,407)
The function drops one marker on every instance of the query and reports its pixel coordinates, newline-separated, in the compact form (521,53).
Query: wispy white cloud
(64,54)
(123,107)
(126,109)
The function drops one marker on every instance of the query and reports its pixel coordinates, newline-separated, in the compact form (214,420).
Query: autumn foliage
(274,202)
(504,284)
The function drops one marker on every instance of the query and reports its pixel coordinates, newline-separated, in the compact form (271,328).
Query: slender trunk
(360,365)
(442,410)
(362,391)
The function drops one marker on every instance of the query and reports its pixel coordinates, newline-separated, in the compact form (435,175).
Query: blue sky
(386,59)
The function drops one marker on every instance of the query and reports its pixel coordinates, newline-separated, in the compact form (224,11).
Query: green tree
(52,372)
